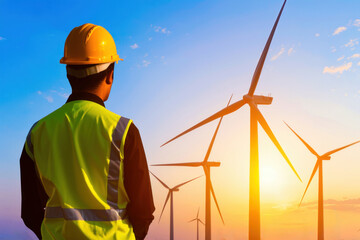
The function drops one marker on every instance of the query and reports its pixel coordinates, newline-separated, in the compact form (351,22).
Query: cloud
(2,38)
(134,46)
(339,69)
(161,30)
(49,99)
(61,94)
(64,95)
(146,63)
(282,50)
(340,58)
(283,206)
(339,30)
(358,64)
(49,95)
(352,43)
(290,51)
(356,55)
(356,23)
(317,34)
(337,205)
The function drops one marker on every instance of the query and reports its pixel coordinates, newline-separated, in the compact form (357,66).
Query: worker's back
(78,150)
(79,179)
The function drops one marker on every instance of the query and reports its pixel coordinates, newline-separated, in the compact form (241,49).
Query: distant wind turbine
(318,165)
(170,195)
(197,219)
(255,118)
(208,185)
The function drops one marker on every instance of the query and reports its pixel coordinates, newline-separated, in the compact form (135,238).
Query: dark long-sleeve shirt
(136,181)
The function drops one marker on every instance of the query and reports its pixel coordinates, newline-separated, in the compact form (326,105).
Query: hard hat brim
(89,61)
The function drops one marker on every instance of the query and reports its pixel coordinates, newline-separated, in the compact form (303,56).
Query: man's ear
(109,77)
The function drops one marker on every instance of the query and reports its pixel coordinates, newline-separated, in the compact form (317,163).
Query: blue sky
(183,59)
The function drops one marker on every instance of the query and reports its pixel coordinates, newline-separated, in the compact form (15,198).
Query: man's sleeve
(137,184)
(33,196)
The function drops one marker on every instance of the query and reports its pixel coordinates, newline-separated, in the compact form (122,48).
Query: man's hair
(90,82)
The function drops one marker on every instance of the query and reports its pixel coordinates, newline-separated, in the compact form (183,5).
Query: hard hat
(89,44)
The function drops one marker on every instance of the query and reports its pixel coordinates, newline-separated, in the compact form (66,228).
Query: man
(84,173)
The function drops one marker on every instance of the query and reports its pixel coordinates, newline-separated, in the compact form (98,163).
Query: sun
(271,179)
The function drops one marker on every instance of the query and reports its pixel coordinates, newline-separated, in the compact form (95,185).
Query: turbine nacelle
(324,157)
(258,99)
(211,164)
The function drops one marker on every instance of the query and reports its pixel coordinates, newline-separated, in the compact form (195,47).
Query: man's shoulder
(133,134)
(50,115)
(91,110)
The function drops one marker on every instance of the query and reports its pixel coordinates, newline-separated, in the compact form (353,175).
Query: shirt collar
(85,96)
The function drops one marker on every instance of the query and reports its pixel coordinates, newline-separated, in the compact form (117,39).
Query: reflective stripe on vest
(85,214)
(114,165)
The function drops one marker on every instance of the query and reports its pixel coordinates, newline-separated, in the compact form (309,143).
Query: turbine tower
(208,185)
(255,118)
(170,195)
(197,219)
(318,165)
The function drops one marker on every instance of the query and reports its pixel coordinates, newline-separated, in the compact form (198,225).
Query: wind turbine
(255,118)
(208,186)
(318,165)
(197,219)
(170,195)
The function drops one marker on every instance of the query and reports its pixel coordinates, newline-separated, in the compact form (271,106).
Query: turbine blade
(192,220)
(188,164)
(271,135)
(305,143)
(338,149)
(214,136)
(311,177)
(177,186)
(229,109)
(217,205)
(202,222)
(160,181)
(260,64)
(167,199)
(230,99)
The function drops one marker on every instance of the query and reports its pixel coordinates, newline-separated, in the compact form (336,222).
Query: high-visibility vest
(78,151)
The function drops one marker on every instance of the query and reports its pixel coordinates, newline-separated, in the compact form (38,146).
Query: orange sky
(280,189)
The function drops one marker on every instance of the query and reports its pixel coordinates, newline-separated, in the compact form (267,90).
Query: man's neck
(85,96)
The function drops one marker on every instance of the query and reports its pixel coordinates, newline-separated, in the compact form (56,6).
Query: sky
(182,62)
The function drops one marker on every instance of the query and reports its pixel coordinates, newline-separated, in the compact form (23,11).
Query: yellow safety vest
(78,151)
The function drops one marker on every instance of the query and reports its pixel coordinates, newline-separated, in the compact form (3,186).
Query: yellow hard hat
(89,44)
